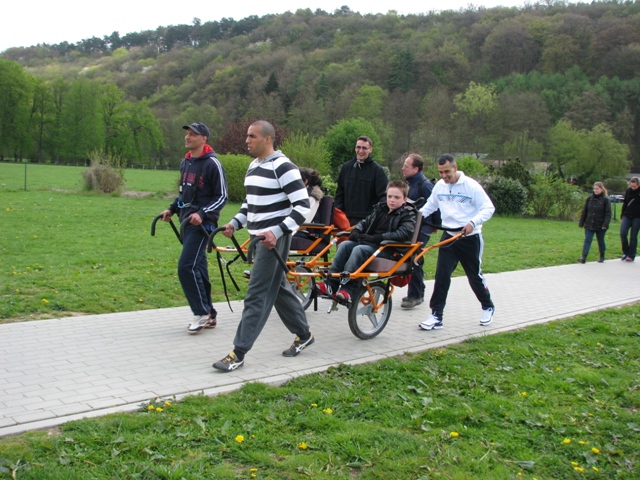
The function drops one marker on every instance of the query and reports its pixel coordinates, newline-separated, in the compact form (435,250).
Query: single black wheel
(365,322)
(303,286)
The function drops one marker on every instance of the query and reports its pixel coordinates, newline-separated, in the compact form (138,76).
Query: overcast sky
(55,21)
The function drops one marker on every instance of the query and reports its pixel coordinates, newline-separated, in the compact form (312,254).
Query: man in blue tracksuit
(202,195)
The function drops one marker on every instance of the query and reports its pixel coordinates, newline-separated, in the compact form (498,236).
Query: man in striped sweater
(276,204)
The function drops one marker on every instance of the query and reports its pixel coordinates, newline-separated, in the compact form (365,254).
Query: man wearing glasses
(361,184)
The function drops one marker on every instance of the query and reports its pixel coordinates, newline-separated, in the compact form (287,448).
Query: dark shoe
(343,296)
(404,299)
(228,363)
(624,257)
(582,260)
(601,259)
(247,274)
(409,303)
(298,345)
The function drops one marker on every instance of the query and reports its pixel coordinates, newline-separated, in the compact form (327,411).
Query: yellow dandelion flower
(599,344)
(302,446)
(566,441)
(148,273)
(595,450)
(314,405)
(240,438)
(35,236)
(328,411)
(168,404)
(150,407)
(44,300)
(582,442)
(578,469)
(253,470)
(253,475)
(595,469)
(575,464)
(454,434)
(523,394)
(140,300)
(158,409)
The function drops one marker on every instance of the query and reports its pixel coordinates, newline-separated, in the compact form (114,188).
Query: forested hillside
(507,82)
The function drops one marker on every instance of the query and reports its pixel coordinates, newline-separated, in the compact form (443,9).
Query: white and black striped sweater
(276,197)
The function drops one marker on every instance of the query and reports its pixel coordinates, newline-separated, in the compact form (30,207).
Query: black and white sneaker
(228,363)
(200,322)
(298,345)
(432,323)
(487,316)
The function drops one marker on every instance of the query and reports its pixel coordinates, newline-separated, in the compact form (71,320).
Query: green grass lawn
(553,401)
(67,251)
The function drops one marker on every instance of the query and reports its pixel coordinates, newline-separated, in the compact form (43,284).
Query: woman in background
(630,220)
(595,219)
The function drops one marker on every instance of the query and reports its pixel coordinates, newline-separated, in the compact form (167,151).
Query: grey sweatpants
(268,287)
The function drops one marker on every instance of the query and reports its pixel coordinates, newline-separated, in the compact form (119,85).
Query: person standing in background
(630,220)
(595,218)
(362,183)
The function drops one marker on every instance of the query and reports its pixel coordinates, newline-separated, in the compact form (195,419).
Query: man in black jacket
(362,183)
(202,195)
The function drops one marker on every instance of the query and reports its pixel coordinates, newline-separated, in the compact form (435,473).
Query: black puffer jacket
(402,223)
(596,213)
(631,203)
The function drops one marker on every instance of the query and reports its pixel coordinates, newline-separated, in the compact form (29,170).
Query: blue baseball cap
(199,128)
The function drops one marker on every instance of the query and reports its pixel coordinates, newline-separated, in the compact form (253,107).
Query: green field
(66,251)
(553,401)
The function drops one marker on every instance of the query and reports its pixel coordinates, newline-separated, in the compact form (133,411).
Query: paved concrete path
(54,371)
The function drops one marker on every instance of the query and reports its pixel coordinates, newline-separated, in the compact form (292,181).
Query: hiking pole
(252,246)
(173,226)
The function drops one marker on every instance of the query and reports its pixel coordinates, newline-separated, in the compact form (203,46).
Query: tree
(307,151)
(474,106)
(341,139)
(403,74)
(15,90)
(82,130)
(565,147)
(603,156)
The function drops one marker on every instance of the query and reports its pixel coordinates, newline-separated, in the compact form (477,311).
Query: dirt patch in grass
(41,316)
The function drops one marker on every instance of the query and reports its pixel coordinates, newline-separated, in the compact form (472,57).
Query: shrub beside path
(54,371)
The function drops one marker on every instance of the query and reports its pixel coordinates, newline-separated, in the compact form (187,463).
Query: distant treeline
(499,81)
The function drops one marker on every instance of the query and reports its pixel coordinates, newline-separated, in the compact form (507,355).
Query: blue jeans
(588,238)
(349,257)
(629,246)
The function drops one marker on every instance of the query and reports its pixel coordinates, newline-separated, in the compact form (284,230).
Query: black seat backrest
(324,215)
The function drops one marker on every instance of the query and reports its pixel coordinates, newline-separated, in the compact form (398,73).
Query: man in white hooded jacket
(462,203)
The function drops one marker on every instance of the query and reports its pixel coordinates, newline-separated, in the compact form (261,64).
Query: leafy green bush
(553,198)
(516,170)
(472,167)
(616,185)
(342,137)
(508,195)
(235,167)
(106,173)
(307,151)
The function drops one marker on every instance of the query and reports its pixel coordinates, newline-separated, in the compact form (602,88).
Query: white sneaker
(199,322)
(487,316)
(431,323)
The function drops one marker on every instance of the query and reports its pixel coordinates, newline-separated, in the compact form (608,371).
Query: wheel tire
(363,321)
(303,287)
